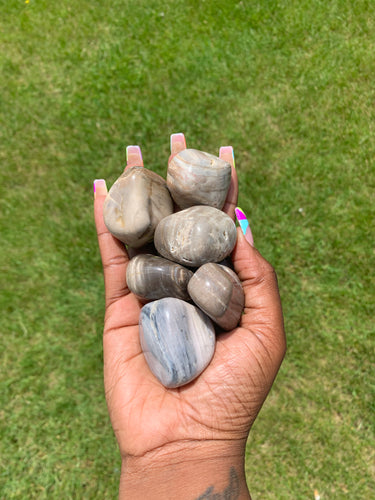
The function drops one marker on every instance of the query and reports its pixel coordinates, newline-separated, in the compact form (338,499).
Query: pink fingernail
(177,142)
(226,152)
(133,154)
(100,187)
(244,224)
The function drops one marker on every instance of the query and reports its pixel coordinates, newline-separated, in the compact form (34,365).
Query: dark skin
(212,415)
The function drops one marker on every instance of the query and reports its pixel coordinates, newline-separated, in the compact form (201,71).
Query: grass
(290,86)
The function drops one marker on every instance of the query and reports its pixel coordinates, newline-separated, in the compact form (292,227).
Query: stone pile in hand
(189,289)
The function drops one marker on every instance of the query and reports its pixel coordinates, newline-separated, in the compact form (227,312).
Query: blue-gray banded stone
(152,277)
(135,204)
(195,236)
(198,178)
(177,339)
(217,290)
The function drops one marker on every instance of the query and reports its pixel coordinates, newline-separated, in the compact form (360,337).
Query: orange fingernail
(178,143)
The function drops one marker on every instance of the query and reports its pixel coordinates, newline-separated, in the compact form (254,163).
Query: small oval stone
(198,178)
(195,236)
(152,277)
(177,339)
(217,290)
(135,204)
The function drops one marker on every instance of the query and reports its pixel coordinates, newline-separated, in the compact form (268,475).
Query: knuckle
(264,273)
(269,272)
(114,261)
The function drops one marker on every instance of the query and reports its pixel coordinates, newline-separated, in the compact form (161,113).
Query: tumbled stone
(135,204)
(177,339)
(217,290)
(195,236)
(151,277)
(198,178)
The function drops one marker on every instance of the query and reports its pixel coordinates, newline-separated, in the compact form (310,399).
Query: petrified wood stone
(198,178)
(217,290)
(135,204)
(151,277)
(195,236)
(177,339)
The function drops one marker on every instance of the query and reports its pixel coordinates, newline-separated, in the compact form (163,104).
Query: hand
(198,431)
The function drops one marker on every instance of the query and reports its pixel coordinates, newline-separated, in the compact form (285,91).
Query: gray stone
(151,277)
(135,204)
(217,290)
(177,339)
(195,236)
(198,178)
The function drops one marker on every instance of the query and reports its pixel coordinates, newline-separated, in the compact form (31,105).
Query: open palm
(224,400)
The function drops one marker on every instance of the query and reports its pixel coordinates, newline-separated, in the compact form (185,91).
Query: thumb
(262,313)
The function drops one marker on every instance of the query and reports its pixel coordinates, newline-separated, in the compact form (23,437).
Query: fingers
(226,153)
(112,251)
(133,157)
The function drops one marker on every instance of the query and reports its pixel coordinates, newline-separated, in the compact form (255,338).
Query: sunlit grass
(290,86)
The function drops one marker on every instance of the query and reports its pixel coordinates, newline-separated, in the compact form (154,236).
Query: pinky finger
(112,251)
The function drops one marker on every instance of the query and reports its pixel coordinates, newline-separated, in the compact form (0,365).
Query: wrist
(191,471)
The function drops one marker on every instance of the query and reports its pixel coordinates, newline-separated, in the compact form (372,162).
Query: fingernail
(227,154)
(100,188)
(134,154)
(244,224)
(177,143)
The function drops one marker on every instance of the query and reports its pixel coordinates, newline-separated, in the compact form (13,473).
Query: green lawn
(290,85)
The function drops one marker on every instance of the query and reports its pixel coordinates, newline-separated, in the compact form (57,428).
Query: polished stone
(198,178)
(135,204)
(195,236)
(177,339)
(217,290)
(151,277)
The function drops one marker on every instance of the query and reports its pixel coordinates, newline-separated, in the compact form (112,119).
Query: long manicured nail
(134,155)
(100,188)
(178,143)
(244,224)
(226,153)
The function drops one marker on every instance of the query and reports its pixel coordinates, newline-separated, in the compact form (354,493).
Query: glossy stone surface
(177,339)
(198,178)
(135,204)
(195,236)
(151,277)
(217,290)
